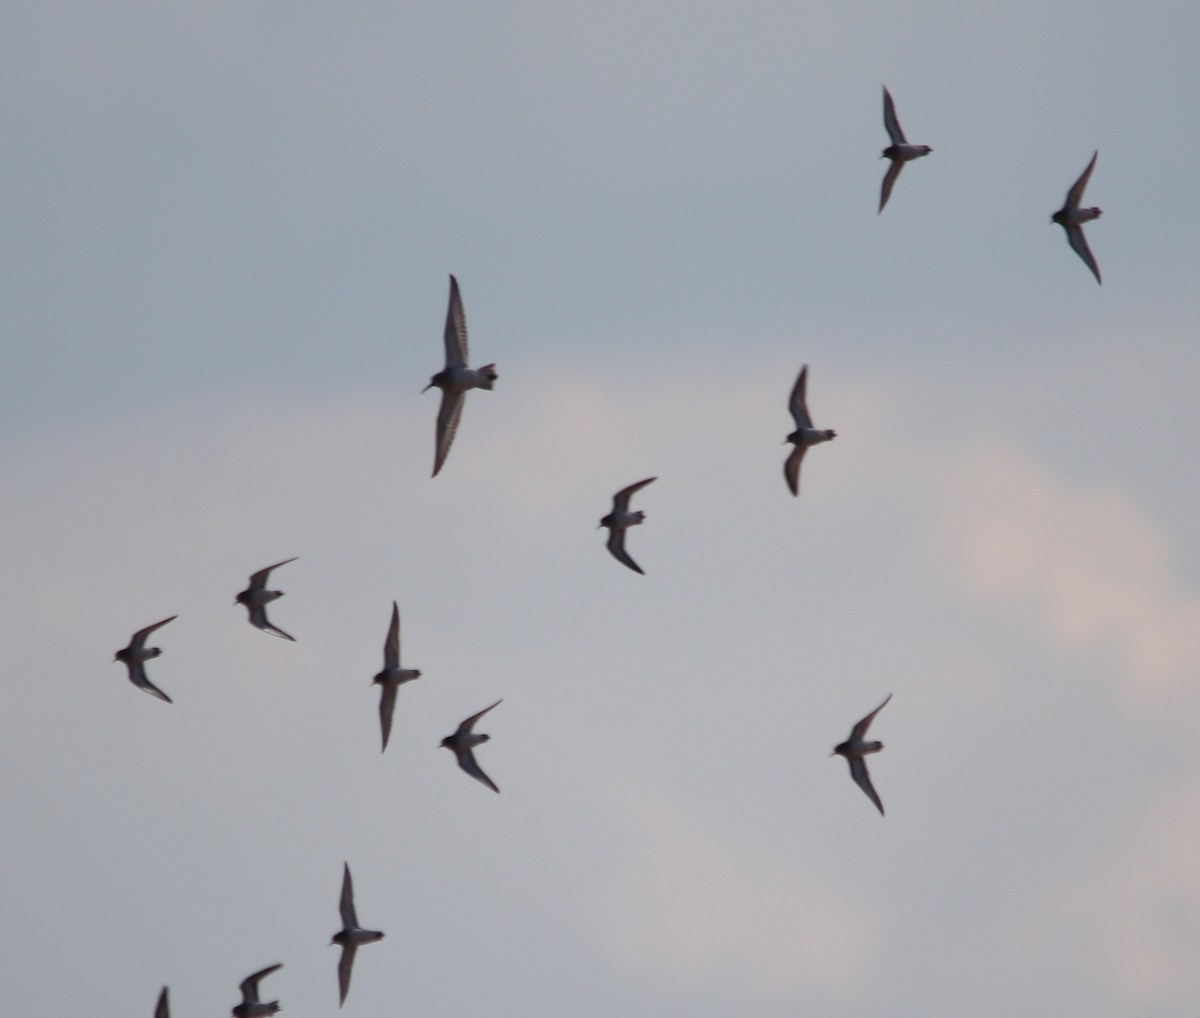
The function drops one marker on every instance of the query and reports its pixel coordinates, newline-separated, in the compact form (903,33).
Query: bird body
(462,379)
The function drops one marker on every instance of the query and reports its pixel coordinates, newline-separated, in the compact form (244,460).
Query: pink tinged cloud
(1084,565)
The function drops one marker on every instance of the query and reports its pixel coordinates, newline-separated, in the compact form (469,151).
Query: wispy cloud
(1086,565)
(711,909)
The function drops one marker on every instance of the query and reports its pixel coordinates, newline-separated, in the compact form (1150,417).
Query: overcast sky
(227,235)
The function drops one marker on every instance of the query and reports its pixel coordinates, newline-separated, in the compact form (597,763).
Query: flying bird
(463,741)
(256,597)
(855,748)
(899,151)
(162,1009)
(620,520)
(805,434)
(1071,218)
(251,1007)
(351,936)
(137,654)
(393,676)
(456,378)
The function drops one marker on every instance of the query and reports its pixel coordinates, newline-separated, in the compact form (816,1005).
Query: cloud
(708,908)
(1086,565)
(1132,915)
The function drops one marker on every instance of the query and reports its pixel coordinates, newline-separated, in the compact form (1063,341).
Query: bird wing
(259,580)
(447,424)
(249,985)
(616,545)
(862,778)
(456,329)
(466,727)
(345,964)
(391,649)
(622,497)
(137,675)
(259,620)
(798,400)
(162,1009)
(889,181)
(466,760)
(139,638)
(791,467)
(859,731)
(1075,195)
(346,905)
(1079,244)
(387,705)
(891,122)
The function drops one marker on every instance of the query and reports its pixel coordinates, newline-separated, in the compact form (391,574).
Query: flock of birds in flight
(455,380)
(1070,217)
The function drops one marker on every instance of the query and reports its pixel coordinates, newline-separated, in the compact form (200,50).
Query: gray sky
(228,231)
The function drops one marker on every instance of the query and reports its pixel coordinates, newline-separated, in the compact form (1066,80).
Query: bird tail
(489,372)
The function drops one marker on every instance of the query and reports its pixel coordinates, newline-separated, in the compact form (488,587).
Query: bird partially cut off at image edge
(251,1006)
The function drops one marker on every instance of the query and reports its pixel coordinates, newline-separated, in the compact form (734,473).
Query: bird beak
(427,388)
